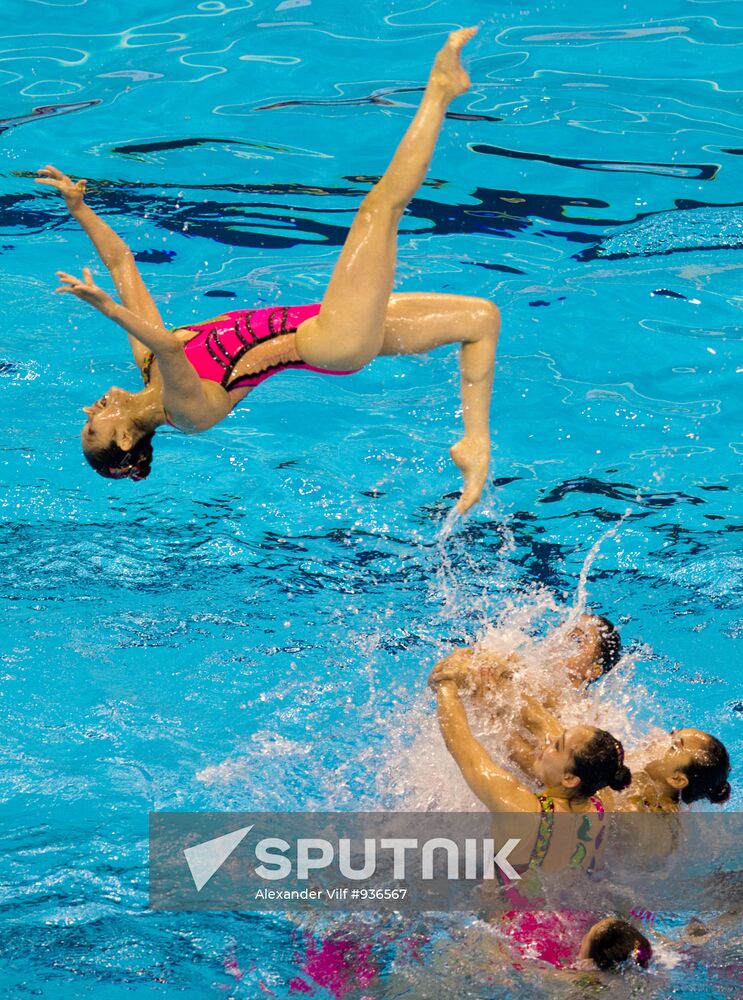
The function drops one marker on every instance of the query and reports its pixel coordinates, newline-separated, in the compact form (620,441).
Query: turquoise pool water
(252,626)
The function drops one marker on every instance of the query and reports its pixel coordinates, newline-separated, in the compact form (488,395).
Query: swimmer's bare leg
(349,329)
(416,323)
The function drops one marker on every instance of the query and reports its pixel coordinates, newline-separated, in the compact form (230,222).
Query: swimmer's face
(108,422)
(554,767)
(683,748)
(582,657)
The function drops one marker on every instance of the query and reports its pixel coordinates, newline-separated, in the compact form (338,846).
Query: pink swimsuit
(265,336)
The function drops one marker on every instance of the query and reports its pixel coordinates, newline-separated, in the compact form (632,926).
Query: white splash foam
(418,773)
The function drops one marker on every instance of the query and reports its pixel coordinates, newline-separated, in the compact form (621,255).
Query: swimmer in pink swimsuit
(256,342)
(575,940)
(195,381)
(339,964)
(264,335)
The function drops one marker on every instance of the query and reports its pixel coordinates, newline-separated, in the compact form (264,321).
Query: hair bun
(141,470)
(720,794)
(115,463)
(621,779)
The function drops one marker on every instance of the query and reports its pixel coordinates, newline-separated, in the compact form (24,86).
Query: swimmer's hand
(481,673)
(86,290)
(73,192)
(457,667)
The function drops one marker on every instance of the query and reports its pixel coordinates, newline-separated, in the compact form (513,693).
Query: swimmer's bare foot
(472,455)
(447,74)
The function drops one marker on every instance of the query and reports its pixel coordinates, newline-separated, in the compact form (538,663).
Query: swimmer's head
(610,943)
(594,647)
(114,442)
(694,766)
(582,761)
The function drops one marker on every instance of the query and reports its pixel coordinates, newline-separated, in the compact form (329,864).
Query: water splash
(581,596)
(532,632)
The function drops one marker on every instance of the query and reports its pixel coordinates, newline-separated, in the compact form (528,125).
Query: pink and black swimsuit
(265,336)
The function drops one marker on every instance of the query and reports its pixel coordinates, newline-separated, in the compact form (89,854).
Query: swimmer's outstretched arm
(484,674)
(112,250)
(498,790)
(192,404)
(539,721)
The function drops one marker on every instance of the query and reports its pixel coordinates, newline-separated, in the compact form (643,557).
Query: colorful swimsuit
(547,808)
(265,336)
(550,936)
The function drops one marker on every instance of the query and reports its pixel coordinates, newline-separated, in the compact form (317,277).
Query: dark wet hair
(600,763)
(115,463)
(610,644)
(618,942)
(707,774)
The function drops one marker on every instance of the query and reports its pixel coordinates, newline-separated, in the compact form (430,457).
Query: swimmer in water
(572,768)
(612,942)
(585,651)
(681,767)
(607,945)
(195,375)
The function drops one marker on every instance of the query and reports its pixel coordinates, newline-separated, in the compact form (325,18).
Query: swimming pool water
(252,626)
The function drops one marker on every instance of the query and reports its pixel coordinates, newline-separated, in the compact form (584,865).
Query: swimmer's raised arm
(112,250)
(539,721)
(154,337)
(190,403)
(498,790)
(456,667)
(523,753)
(461,668)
